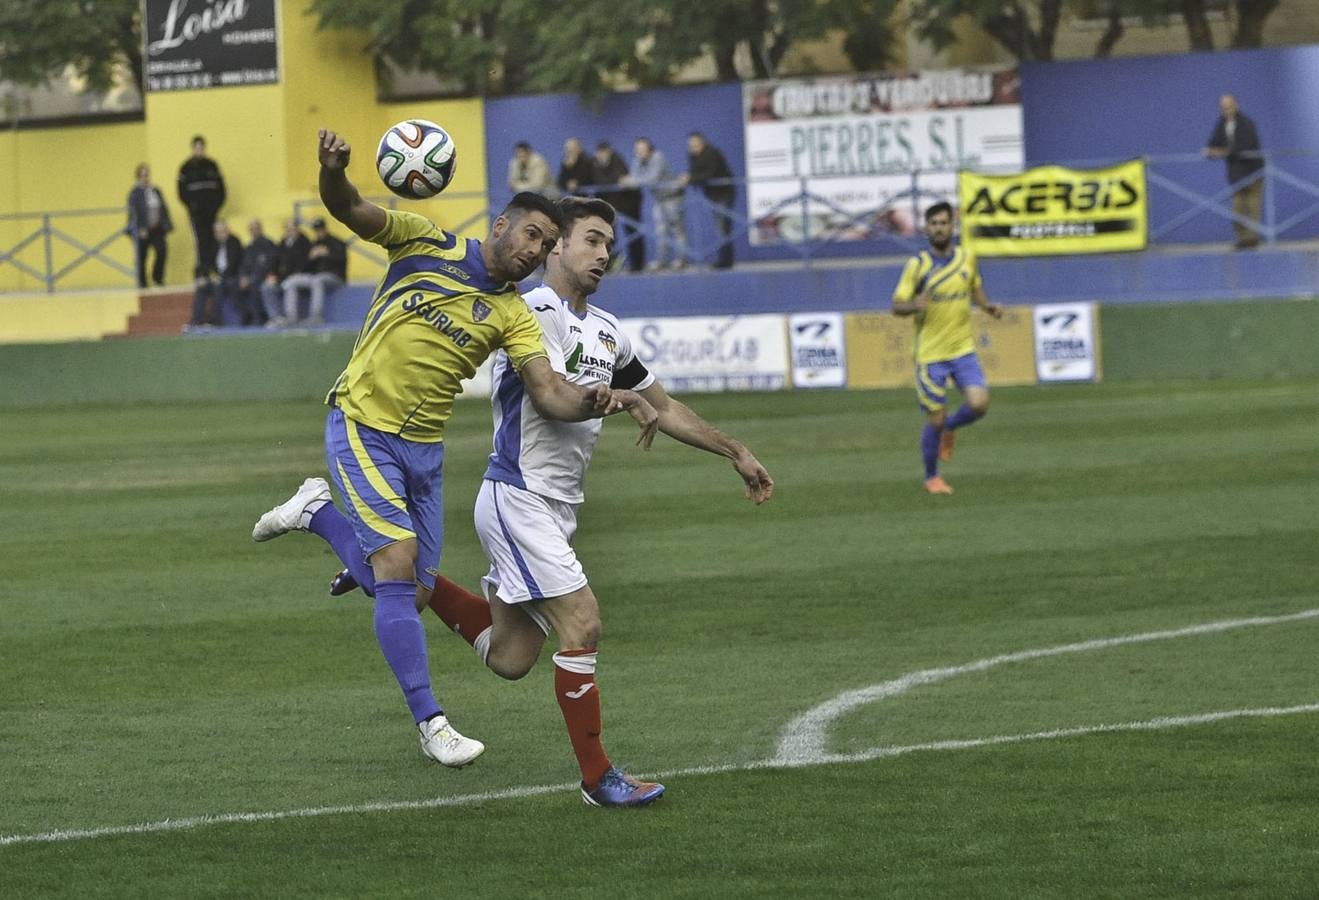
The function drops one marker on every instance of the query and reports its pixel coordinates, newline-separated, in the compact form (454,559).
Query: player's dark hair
(197,139)
(942,206)
(573,209)
(524,202)
(521,145)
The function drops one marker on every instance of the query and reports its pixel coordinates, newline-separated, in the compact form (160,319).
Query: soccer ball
(416,159)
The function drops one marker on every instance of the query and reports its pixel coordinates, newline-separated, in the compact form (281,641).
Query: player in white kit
(526,512)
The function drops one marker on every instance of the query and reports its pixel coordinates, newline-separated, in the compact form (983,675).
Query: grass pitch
(156,666)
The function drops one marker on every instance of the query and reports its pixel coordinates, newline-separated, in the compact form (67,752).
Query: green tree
(513,46)
(1025,29)
(99,38)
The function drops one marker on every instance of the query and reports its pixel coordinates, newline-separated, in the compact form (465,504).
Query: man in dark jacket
(708,170)
(217,283)
(259,261)
(325,270)
(148,223)
(201,188)
(611,174)
(576,171)
(1236,140)
(290,259)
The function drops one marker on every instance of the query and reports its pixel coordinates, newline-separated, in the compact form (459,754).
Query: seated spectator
(611,175)
(326,269)
(217,278)
(650,171)
(290,258)
(528,171)
(577,170)
(259,261)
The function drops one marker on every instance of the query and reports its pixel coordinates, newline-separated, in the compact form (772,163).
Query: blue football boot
(617,788)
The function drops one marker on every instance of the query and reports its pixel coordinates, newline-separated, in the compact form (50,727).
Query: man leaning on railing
(1236,140)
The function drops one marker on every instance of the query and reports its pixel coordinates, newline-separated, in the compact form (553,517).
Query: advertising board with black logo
(195,44)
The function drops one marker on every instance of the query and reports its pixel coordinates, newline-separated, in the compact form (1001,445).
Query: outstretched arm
(555,398)
(338,193)
(680,422)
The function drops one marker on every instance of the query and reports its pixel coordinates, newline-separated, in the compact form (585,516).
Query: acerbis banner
(205,45)
(1053,210)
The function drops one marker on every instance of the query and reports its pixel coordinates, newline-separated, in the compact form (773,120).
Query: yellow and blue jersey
(943,330)
(435,317)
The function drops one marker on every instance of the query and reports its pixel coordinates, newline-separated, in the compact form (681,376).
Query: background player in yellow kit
(938,287)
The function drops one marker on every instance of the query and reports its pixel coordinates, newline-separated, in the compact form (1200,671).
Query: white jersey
(546,456)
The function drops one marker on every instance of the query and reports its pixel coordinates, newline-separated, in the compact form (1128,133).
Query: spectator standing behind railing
(1236,140)
(211,296)
(259,261)
(201,188)
(611,177)
(577,170)
(708,170)
(528,171)
(326,270)
(650,172)
(148,223)
(290,259)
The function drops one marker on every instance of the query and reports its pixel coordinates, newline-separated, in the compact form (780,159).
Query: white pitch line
(1165,722)
(803,739)
(797,758)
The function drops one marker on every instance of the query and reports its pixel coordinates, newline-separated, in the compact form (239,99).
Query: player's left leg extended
(970,380)
(576,619)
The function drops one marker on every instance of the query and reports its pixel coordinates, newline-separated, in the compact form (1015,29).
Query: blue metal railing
(48,230)
(1184,190)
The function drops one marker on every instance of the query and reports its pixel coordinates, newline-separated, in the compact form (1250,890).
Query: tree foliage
(99,38)
(516,46)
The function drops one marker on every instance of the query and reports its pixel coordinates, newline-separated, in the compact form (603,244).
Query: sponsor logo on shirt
(438,318)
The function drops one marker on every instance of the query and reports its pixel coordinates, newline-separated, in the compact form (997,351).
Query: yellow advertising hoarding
(879,348)
(1053,210)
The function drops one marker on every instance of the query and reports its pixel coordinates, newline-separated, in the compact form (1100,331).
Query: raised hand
(333,151)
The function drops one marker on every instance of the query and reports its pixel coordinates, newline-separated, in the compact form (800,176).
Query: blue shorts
(391,487)
(932,379)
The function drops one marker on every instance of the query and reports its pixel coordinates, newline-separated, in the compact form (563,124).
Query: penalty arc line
(804,738)
(194,822)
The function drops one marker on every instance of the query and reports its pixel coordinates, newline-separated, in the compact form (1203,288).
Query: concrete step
(159,313)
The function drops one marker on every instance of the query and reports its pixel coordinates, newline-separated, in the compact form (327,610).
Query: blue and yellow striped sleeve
(522,339)
(906,288)
(401,227)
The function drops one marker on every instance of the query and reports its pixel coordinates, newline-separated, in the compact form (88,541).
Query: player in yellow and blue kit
(442,307)
(938,287)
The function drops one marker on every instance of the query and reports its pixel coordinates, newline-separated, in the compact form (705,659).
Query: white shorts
(528,540)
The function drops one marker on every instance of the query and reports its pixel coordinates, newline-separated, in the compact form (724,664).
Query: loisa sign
(194,44)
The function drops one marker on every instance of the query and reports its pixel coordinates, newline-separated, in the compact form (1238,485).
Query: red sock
(579,698)
(460,609)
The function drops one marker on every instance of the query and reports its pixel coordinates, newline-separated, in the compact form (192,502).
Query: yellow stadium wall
(262,136)
(65,317)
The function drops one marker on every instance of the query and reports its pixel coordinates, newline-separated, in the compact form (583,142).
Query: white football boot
(441,742)
(291,515)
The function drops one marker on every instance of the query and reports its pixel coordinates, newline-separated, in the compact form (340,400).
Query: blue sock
(930,450)
(332,526)
(965,415)
(403,641)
